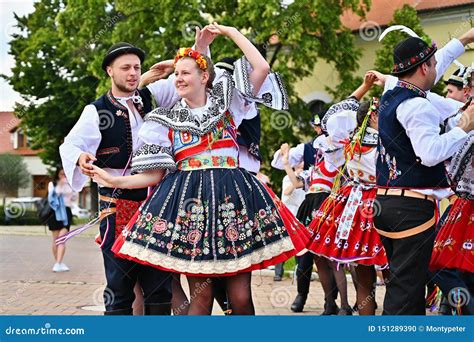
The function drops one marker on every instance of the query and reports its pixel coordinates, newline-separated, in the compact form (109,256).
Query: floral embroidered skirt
(343,229)
(454,245)
(211,222)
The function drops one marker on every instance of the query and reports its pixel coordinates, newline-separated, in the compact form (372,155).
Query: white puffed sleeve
(155,152)
(85,136)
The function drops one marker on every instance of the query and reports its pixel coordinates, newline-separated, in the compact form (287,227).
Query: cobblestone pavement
(29,287)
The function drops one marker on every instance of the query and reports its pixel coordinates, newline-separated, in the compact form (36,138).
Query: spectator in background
(60,197)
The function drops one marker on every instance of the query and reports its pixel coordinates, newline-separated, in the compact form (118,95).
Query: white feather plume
(460,66)
(401,28)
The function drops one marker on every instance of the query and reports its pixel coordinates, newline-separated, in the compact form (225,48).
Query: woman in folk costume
(207,217)
(343,229)
(454,244)
(339,122)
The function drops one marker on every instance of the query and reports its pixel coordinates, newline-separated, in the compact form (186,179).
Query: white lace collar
(182,118)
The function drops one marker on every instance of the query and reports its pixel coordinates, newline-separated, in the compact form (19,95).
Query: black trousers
(122,274)
(408,257)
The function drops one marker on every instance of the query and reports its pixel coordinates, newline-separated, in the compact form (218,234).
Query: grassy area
(290,265)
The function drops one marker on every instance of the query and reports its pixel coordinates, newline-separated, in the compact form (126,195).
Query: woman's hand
(285,153)
(222,30)
(369,79)
(380,78)
(203,39)
(101,177)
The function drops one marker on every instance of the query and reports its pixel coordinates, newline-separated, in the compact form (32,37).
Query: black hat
(457,78)
(120,49)
(226,64)
(410,53)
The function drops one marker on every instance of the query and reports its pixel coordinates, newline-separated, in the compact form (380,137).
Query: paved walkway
(29,287)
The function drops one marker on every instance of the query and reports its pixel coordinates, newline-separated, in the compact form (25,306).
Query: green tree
(61,45)
(13,174)
(408,17)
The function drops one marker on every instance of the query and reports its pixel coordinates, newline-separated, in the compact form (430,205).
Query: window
(20,139)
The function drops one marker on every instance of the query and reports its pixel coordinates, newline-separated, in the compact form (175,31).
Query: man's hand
(467,38)
(164,66)
(157,72)
(84,163)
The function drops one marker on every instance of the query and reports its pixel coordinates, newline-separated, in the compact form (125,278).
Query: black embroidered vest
(116,146)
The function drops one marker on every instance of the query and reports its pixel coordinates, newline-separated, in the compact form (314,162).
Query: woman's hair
(362,112)
(210,70)
(56,175)
(203,62)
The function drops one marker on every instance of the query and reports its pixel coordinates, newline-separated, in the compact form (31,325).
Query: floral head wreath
(188,52)
(467,76)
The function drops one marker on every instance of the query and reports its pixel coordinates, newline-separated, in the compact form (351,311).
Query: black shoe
(120,312)
(299,302)
(345,312)
(161,309)
(330,310)
(277,278)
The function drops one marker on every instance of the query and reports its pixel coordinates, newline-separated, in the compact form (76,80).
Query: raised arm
(295,181)
(259,65)
(369,79)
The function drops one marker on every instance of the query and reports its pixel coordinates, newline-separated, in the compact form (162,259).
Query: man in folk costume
(107,135)
(410,171)
(456,89)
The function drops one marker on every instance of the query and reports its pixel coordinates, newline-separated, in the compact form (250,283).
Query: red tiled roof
(381,11)
(8,123)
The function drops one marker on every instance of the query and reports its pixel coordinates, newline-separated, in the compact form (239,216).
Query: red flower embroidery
(194,162)
(230,161)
